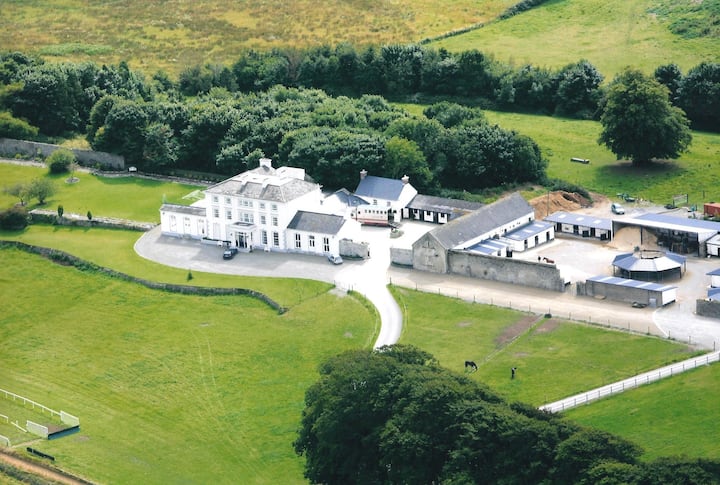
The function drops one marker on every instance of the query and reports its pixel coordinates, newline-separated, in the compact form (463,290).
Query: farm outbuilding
(630,291)
(678,234)
(649,266)
(714,278)
(581,225)
(189,221)
(439,210)
(712,246)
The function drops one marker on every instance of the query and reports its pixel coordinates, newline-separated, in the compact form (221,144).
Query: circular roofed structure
(649,266)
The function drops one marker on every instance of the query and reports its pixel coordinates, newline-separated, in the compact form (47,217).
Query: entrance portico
(241,233)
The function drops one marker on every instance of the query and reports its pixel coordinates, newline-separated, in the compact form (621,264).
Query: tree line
(395,416)
(157,129)
(414,70)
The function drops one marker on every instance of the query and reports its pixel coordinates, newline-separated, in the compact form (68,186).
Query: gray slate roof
(184,209)
(379,188)
(631,262)
(349,199)
(263,183)
(645,285)
(481,221)
(443,205)
(316,222)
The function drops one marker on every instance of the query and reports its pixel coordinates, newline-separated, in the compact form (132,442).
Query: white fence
(36,428)
(5,441)
(631,383)
(66,418)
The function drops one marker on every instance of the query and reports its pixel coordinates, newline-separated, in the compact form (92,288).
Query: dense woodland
(325,110)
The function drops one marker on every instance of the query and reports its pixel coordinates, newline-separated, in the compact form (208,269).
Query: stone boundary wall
(66,259)
(707,308)
(89,158)
(401,256)
(506,270)
(45,216)
(352,249)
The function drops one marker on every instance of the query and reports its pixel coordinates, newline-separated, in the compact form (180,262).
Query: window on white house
(298,245)
(262,206)
(216,213)
(247,217)
(263,219)
(276,239)
(274,221)
(326,244)
(273,207)
(215,198)
(311,241)
(228,215)
(264,237)
(227,201)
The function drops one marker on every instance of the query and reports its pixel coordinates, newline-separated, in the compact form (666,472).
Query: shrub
(60,160)
(14,219)
(89,216)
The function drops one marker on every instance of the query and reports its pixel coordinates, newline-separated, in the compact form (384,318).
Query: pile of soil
(560,200)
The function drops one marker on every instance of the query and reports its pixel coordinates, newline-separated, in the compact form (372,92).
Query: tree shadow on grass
(625,168)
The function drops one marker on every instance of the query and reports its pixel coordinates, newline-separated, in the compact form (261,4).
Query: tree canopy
(395,416)
(639,122)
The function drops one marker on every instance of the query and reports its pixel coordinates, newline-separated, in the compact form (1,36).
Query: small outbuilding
(439,210)
(630,291)
(714,278)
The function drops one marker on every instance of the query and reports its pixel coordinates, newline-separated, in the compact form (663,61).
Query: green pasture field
(168,388)
(553,358)
(153,35)
(558,359)
(113,248)
(611,34)
(131,198)
(687,403)
(696,173)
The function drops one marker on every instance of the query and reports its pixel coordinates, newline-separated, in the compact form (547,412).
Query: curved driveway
(576,259)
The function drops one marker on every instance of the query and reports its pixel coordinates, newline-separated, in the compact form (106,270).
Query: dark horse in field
(470,365)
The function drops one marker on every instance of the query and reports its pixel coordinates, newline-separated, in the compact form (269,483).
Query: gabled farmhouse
(496,229)
(390,194)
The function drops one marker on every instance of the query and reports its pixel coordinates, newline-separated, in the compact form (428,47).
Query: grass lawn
(113,248)
(123,197)
(169,388)
(687,403)
(157,37)
(611,34)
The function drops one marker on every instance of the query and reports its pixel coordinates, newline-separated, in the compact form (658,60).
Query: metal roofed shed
(630,291)
(581,225)
(439,210)
(680,235)
(649,265)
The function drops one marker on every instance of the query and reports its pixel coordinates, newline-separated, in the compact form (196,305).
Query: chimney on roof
(363,174)
(266,162)
(405,179)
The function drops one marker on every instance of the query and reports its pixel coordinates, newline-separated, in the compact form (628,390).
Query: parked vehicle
(335,259)
(617,208)
(230,253)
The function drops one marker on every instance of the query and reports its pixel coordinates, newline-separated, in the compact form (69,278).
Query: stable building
(581,225)
(439,210)
(318,233)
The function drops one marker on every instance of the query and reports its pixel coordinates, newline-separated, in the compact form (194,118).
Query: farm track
(41,470)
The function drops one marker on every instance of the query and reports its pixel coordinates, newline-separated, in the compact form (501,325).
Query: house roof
(316,222)
(685,224)
(266,183)
(481,221)
(184,209)
(380,188)
(348,198)
(443,205)
(580,220)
